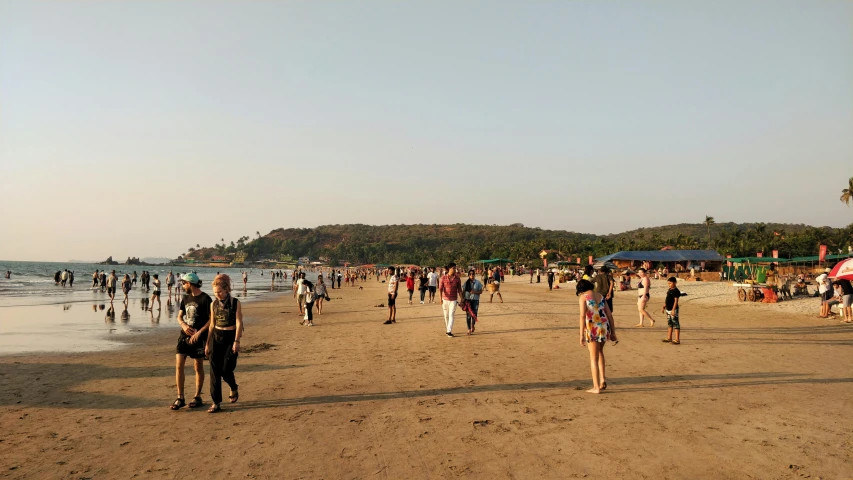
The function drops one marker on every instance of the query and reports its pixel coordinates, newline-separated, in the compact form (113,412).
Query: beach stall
(750,275)
(706,263)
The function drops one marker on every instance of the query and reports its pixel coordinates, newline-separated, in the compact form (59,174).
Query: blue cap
(191,278)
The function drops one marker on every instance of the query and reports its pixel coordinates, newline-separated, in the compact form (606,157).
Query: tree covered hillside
(437,244)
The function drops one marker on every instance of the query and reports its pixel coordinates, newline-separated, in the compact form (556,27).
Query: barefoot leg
(594,352)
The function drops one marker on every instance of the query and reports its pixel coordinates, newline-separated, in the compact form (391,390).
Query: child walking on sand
(670,308)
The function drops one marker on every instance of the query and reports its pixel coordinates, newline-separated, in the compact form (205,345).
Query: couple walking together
(210,329)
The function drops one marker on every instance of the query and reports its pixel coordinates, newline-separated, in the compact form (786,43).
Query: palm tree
(708,222)
(258,233)
(847,193)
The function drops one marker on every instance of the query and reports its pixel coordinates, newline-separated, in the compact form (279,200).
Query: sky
(143,128)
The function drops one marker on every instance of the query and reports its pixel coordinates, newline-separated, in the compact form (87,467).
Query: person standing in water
(112,282)
(643,297)
(156,293)
(193,317)
(95,279)
(223,341)
(245,279)
(125,286)
(170,282)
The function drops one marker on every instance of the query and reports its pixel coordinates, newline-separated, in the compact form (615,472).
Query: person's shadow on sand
(56,384)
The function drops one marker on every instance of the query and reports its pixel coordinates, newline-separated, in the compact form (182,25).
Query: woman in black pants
(223,340)
(423,284)
(310,296)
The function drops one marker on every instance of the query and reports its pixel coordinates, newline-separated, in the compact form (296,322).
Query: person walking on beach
(531,275)
(410,285)
(473,288)
(310,297)
(222,345)
(156,293)
(433,284)
(112,282)
(423,284)
(393,284)
(125,286)
(596,327)
(193,317)
(451,290)
(643,296)
(300,293)
(170,282)
(320,294)
(604,286)
(550,280)
(538,276)
(495,287)
(339,278)
(670,308)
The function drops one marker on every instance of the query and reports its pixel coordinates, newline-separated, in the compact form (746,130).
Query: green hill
(437,244)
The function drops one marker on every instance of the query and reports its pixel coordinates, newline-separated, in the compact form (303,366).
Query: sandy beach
(352,398)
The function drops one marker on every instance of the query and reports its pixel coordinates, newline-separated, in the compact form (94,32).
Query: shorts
(826,295)
(192,350)
(672,319)
(431,289)
(111,290)
(391,300)
(156,293)
(300,299)
(125,290)
(848,300)
(170,285)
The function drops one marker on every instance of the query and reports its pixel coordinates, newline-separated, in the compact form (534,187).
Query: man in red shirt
(451,292)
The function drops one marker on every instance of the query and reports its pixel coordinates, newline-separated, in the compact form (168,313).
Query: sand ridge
(352,398)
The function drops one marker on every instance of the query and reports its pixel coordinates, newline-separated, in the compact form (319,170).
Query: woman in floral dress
(596,327)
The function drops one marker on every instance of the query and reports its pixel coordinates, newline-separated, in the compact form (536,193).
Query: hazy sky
(142,128)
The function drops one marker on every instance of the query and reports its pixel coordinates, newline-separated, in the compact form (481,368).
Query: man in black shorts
(393,285)
(112,280)
(193,317)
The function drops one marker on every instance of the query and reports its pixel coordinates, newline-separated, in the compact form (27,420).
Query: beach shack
(704,262)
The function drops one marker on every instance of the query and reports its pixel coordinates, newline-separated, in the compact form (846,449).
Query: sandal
(196,402)
(234,396)
(676,343)
(179,402)
(214,408)
(666,340)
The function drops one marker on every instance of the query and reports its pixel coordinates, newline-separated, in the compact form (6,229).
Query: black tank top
(225,313)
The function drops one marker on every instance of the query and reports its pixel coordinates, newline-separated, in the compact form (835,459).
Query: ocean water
(37,315)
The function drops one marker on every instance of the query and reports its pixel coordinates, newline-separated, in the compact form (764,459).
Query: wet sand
(750,393)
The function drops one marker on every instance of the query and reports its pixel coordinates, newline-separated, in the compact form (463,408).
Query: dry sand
(752,392)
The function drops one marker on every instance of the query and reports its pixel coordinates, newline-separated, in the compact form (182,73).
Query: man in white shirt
(393,284)
(824,287)
(300,294)
(432,284)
